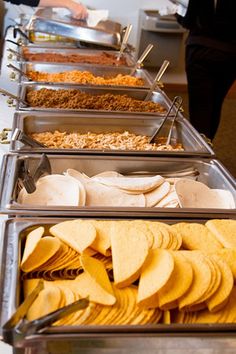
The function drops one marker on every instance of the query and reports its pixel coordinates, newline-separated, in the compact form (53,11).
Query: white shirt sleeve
(175,6)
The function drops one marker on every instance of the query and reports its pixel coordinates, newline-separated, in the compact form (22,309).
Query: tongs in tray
(17,328)
(177,102)
(19,135)
(29,179)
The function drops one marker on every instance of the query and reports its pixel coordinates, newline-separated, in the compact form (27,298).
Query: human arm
(77,10)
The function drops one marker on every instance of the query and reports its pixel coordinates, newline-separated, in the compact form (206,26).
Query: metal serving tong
(19,135)
(177,102)
(28,179)
(158,77)
(6,93)
(10,66)
(141,59)
(124,41)
(17,327)
(186,172)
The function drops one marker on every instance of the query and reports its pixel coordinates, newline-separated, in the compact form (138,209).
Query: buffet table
(6,114)
(150,339)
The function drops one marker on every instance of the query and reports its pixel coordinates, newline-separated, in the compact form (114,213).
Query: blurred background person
(210,58)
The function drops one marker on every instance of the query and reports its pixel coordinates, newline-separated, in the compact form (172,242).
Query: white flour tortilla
(153,197)
(53,190)
(98,194)
(193,194)
(132,184)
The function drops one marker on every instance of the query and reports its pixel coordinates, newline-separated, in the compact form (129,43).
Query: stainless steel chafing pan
(210,171)
(158,96)
(70,51)
(97,339)
(39,122)
(106,72)
(106,33)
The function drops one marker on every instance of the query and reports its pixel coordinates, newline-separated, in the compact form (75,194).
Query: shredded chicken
(110,141)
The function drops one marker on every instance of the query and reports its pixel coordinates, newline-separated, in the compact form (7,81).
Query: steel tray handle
(6,93)
(4,136)
(207,140)
(14,53)
(19,71)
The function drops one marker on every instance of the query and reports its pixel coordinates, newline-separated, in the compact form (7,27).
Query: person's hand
(78,11)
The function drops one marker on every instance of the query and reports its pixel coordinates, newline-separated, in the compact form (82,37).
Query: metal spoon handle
(10,66)
(125,40)
(4,92)
(141,58)
(159,75)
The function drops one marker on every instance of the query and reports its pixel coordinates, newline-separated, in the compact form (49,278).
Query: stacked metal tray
(105,33)
(106,72)
(37,50)
(138,94)
(209,171)
(39,122)
(197,156)
(90,339)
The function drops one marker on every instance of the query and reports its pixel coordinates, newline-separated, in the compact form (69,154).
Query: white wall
(126,11)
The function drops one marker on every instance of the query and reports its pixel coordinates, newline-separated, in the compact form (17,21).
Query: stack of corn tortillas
(133,271)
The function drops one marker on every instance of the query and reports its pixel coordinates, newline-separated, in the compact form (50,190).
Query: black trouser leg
(210,74)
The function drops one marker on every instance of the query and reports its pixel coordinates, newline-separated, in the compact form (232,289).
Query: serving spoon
(124,41)
(141,59)
(158,77)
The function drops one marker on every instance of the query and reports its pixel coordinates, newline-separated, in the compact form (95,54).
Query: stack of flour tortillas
(110,188)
